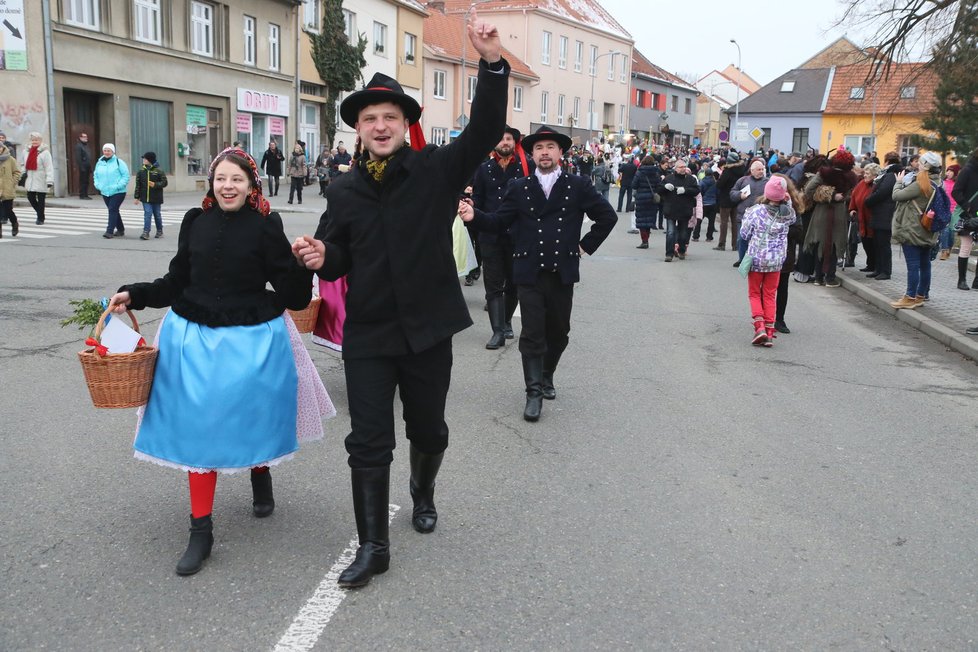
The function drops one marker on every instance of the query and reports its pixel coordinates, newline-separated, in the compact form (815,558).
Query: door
(81,117)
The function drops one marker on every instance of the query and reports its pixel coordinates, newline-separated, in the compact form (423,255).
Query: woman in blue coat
(111,178)
(646,209)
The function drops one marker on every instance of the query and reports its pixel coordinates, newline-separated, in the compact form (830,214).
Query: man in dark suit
(546,212)
(506,162)
(388,228)
(84,160)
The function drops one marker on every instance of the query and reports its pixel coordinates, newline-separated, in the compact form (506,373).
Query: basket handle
(101,322)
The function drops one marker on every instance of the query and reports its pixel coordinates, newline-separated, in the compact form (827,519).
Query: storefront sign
(13,36)
(243,123)
(276,126)
(258,102)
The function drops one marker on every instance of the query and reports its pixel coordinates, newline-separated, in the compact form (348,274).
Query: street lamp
(740,74)
(590,109)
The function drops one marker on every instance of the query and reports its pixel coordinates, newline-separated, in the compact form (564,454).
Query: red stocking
(202,486)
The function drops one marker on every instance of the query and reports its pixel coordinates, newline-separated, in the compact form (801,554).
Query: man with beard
(546,212)
(388,227)
(488,186)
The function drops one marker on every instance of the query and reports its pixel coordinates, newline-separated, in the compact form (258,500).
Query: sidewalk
(184,201)
(945,317)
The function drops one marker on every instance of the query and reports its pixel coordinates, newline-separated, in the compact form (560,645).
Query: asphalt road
(685,491)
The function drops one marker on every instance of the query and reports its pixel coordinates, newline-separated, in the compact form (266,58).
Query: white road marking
(308,626)
(29,236)
(45,230)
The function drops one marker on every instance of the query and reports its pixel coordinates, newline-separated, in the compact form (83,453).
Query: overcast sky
(694,37)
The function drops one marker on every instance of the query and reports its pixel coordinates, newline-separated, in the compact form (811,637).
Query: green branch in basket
(87,313)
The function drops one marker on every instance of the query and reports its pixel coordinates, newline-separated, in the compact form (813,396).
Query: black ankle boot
(261,489)
(963,274)
(533,376)
(371,492)
(550,362)
(497,317)
(199,548)
(424,468)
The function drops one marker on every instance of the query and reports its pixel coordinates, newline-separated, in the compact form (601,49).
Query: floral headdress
(255,198)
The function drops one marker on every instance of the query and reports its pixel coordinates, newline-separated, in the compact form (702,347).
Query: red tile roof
(586,12)
(443,35)
(887,92)
(643,66)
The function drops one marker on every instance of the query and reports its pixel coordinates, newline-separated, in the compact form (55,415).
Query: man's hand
(465,210)
(900,175)
(484,37)
(680,190)
(745,192)
(309,252)
(838,196)
(669,187)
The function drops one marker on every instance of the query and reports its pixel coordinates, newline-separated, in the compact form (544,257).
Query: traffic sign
(756,133)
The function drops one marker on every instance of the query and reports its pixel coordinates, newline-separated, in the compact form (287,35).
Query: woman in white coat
(40,174)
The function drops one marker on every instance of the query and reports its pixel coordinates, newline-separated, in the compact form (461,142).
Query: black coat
(965,186)
(546,231)
(143,192)
(880,201)
(393,240)
(82,157)
(644,183)
(489,186)
(627,171)
(271,162)
(223,263)
(677,206)
(731,173)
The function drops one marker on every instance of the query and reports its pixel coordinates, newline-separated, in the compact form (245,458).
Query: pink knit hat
(775,189)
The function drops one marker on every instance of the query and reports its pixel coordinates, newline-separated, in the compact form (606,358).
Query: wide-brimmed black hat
(380,88)
(514,132)
(546,133)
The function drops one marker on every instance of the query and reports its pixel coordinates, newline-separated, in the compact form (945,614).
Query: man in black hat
(546,211)
(506,162)
(388,228)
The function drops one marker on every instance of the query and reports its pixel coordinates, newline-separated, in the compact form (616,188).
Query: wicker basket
(305,319)
(119,380)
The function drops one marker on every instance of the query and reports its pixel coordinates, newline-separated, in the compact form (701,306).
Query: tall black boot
(424,468)
(261,489)
(497,318)
(371,494)
(963,274)
(533,375)
(550,362)
(511,302)
(199,548)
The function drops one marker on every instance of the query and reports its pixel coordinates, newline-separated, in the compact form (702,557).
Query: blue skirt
(223,399)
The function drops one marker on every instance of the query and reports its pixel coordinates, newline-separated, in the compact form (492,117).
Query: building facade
(182,79)
(663,106)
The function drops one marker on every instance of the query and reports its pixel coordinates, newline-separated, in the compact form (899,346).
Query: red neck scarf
(31,163)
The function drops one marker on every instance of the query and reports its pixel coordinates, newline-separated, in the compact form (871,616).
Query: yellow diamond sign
(756,133)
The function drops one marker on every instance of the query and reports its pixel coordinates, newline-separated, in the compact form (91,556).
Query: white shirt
(548,180)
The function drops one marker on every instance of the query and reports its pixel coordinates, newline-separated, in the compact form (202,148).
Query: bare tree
(907,29)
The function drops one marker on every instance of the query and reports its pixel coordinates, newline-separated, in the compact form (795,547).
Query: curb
(966,346)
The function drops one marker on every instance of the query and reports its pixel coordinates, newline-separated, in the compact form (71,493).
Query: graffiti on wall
(19,119)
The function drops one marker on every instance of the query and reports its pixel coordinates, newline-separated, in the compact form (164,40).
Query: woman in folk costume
(828,234)
(234,388)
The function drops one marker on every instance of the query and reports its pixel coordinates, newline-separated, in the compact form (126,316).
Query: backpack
(940,206)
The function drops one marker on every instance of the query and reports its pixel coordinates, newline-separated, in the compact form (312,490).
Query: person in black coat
(678,191)
(645,181)
(504,164)
(546,214)
(881,205)
(84,160)
(626,173)
(388,228)
(732,171)
(271,163)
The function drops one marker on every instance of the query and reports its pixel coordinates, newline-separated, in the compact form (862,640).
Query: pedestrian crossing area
(62,222)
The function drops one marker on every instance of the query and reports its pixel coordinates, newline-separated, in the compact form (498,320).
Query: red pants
(762,290)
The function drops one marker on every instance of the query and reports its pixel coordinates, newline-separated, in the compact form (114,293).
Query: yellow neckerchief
(376,169)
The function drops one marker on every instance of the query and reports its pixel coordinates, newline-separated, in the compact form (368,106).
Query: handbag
(656,197)
(967,225)
(747,261)
(23,180)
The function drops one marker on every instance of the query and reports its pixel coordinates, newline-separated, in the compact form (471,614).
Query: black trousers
(629,206)
(296,188)
(545,308)
(781,301)
(884,252)
(869,246)
(710,215)
(83,176)
(421,379)
(7,212)
(36,200)
(497,269)
(273,184)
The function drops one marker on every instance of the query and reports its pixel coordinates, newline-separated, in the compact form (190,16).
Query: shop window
(150,131)
(203,138)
